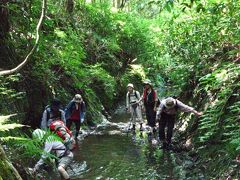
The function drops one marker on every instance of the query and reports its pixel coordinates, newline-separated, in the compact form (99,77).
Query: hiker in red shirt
(75,113)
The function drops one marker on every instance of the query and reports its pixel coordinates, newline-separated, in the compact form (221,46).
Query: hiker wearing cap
(150,100)
(52,113)
(57,148)
(166,115)
(133,106)
(75,113)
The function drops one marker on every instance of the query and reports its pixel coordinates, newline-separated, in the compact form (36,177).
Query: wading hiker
(75,113)
(52,113)
(57,148)
(133,106)
(166,116)
(150,101)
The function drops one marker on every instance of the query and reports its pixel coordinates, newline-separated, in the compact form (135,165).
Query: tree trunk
(6,168)
(4,24)
(5,55)
(118,3)
(69,6)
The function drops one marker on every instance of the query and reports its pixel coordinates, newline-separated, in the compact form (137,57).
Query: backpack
(135,105)
(64,133)
(57,116)
(135,93)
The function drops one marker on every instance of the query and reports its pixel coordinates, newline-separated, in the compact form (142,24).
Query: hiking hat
(169,102)
(147,81)
(130,85)
(38,134)
(77,98)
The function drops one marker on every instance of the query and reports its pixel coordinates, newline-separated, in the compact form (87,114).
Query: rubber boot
(76,134)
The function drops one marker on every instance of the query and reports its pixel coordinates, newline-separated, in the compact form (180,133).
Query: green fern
(6,127)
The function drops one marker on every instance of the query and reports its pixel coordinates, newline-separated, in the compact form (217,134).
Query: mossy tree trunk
(7,171)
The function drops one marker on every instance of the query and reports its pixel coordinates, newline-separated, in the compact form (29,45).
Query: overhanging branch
(11,71)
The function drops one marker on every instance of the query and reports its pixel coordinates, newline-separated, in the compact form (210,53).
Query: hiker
(52,113)
(133,106)
(52,145)
(60,129)
(166,116)
(150,101)
(75,113)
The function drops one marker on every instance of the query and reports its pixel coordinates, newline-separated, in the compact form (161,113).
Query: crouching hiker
(75,113)
(166,115)
(133,106)
(52,145)
(52,113)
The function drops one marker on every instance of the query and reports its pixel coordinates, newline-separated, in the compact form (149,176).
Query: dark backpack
(58,115)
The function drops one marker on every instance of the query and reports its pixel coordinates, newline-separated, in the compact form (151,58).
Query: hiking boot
(141,128)
(133,127)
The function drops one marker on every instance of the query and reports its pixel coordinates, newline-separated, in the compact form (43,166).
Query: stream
(110,152)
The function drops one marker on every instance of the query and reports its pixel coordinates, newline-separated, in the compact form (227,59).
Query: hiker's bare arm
(197,113)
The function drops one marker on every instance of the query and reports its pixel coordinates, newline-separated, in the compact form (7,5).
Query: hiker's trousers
(168,121)
(150,115)
(136,114)
(77,125)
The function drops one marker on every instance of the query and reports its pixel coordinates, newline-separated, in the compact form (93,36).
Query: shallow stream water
(110,152)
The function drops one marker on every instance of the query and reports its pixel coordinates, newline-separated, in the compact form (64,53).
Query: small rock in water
(114,132)
(99,177)
(154,142)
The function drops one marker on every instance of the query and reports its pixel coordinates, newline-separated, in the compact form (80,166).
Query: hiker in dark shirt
(166,116)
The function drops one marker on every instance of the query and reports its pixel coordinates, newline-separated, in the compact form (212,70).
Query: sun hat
(77,98)
(147,81)
(169,102)
(38,134)
(130,85)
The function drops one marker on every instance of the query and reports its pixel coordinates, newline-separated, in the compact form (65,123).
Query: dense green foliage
(198,57)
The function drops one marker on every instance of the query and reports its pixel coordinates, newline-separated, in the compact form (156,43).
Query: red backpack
(64,133)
